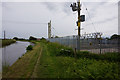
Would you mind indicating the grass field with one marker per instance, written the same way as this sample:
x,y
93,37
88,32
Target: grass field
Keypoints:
x,y
7,42
57,61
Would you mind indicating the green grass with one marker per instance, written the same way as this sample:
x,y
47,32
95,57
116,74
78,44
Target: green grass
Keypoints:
x,y
111,57
30,47
7,42
58,61
64,66
5,68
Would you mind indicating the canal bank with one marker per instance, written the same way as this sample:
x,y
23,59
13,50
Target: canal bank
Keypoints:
x,y
12,52
23,67
52,60
6,42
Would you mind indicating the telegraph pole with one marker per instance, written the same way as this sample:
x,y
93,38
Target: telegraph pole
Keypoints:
x,y
81,18
4,34
49,29
78,41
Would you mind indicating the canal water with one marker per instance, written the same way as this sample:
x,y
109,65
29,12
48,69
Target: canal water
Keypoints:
x,y
12,52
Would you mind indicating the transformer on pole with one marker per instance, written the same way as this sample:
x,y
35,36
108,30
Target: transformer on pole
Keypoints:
x,y
81,18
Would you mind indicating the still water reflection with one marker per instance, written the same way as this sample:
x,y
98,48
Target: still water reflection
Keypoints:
x,y
12,52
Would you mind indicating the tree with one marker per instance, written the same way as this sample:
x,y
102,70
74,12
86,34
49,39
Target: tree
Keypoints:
x,y
42,38
32,38
15,38
115,36
56,37
107,38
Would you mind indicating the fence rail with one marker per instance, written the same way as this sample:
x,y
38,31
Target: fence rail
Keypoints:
x,y
90,44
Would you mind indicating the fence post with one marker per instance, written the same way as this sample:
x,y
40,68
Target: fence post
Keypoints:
x,y
100,45
75,53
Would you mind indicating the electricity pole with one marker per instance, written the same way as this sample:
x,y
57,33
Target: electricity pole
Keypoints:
x,y
81,18
49,29
4,34
78,41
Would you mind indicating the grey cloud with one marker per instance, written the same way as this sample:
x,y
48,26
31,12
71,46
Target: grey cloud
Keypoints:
x,y
21,22
107,20
50,5
66,7
43,12
92,10
6,5
103,21
63,6
119,3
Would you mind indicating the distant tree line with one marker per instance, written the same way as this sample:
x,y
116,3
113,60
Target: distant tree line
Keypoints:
x,y
115,36
16,38
30,38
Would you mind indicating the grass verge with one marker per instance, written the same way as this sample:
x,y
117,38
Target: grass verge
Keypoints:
x,y
7,42
111,57
53,64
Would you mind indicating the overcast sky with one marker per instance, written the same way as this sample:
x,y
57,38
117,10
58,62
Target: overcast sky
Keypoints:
x,y
24,19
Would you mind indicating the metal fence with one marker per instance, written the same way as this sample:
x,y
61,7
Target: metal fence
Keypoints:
x,y
89,44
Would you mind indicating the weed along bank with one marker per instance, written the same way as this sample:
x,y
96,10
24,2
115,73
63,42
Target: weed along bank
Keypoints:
x,y
52,60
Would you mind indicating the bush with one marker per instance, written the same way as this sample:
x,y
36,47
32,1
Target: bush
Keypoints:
x,y
115,36
15,38
84,52
66,52
112,57
42,38
32,38
30,47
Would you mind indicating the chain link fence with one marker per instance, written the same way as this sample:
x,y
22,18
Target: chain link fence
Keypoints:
x,y
89,44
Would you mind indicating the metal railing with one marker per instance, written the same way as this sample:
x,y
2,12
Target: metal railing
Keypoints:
x,y
89,44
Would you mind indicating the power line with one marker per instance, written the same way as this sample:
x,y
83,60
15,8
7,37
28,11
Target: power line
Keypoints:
x,y
90,18
55,31
18,22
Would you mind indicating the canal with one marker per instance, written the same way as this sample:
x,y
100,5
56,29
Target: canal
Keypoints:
x,y
12,52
